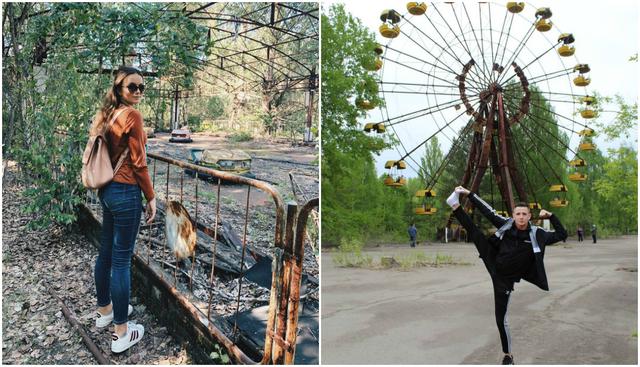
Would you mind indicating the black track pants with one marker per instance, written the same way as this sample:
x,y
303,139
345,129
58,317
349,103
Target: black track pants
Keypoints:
x,y
502,288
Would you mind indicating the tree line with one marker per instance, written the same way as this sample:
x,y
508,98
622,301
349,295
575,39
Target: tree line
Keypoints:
x,y
356,205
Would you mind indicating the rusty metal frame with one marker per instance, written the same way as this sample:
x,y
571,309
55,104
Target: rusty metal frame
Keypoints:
x,y
491,119
229,343
280,337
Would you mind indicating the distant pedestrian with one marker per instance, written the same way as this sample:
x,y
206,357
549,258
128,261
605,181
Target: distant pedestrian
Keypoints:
x,y
413,232
580,234
593,233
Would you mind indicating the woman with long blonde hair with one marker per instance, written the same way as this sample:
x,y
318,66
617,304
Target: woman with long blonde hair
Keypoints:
x,y
121,202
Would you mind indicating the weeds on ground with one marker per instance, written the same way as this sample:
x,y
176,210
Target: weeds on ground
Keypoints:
x,y
240,137
350,255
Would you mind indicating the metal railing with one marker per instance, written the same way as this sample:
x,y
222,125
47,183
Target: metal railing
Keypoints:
x,y
284,298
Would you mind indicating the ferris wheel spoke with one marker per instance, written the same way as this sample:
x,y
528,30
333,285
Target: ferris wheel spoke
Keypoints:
x,y
519,48
549,76
420,115
416,84
559,115
434,134
443,104
553,149
564,94
449,70
494,56
544,159
465,45
417,93
480,48
454,148
533,163
540,124
422,72
506,40
536,59
455,57
490,35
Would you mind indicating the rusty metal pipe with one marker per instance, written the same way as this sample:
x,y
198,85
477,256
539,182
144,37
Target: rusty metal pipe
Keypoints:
x,y
244,247
296,278
197,316
213,251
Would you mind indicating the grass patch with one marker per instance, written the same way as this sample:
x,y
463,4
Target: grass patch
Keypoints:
x,y
420,259
635,334
240,137
349,256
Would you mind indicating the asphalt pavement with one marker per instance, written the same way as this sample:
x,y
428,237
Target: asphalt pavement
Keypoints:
x,y
445,315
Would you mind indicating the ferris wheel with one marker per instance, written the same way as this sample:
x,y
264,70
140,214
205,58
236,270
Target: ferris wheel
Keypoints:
x,y
499,83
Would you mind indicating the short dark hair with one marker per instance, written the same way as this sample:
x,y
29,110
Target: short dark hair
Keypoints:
x,y
522,204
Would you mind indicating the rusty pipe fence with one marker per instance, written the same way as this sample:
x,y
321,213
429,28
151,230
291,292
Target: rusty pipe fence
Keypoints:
x,y
288,244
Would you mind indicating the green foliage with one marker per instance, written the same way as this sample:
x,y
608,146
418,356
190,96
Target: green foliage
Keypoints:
x,y
240,137
220,355
49,101
350,254
352,197
625,123
618,187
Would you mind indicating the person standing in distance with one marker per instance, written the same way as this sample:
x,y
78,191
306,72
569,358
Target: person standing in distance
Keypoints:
x,y
413,232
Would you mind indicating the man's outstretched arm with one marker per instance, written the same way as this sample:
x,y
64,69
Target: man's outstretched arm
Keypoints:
x,y
560,233
484,208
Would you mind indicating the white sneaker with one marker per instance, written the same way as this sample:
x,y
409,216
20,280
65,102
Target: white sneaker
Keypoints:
x,y
121,343
105,320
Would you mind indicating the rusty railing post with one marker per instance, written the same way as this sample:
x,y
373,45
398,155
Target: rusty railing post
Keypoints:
x,y
296,278
280,345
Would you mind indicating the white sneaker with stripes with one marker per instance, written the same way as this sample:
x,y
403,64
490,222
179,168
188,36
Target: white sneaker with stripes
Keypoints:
x,y
105,320
133,335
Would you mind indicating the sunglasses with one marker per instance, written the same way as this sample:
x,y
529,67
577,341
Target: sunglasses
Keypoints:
x,y
133,87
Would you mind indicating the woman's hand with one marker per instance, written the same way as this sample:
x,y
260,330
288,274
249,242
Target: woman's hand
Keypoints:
x,y
150,212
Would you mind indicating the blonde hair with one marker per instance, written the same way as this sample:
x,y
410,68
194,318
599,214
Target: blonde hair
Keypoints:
x,y
111,101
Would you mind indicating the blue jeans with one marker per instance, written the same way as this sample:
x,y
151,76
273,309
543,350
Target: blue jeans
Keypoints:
x,y
121,211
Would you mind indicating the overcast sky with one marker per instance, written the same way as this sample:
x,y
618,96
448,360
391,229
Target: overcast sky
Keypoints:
x,y
606,36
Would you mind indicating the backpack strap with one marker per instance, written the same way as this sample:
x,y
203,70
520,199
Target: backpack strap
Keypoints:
x,y
124,153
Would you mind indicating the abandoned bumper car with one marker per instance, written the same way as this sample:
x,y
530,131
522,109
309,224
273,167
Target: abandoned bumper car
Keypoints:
x,y
227,160
182,135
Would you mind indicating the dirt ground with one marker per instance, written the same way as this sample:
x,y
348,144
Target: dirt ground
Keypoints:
x,y
445,315
34,330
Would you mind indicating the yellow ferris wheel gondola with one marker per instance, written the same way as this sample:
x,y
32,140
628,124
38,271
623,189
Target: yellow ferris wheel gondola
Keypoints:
x,y
365,104
581,80
586,147
578,163
565,50
416,8
558,203
427,206
543,25
515,7
389,27
588,112
577,177
378,127
392,178
586,132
